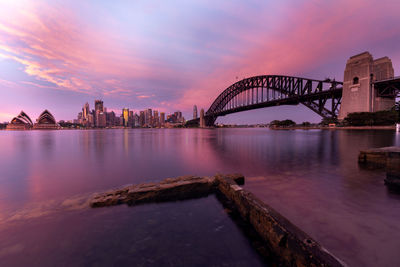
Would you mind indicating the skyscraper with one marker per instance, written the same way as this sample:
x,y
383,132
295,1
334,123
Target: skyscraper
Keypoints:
x,y
194,112
125,116
85,111
156,120
162,118
98,105
148,117
142,119
101,119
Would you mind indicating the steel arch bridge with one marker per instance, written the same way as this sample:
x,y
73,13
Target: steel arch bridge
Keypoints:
x,y
274,90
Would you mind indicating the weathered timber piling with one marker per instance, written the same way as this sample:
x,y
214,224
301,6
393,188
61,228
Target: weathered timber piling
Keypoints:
x,y
290,245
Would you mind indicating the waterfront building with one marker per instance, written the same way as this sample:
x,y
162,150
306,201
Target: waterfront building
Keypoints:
x,y
136,120
21,122
46,121
90,120
80,119
148,117
117,121
142,118
194,112
125,116
202,121
162,118
131,120
101,119
156,120
110,119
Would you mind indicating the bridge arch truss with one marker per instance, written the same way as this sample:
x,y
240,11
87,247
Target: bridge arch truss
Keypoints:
x,y
323,97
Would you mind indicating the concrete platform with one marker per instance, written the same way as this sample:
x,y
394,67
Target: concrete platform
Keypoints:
x,y
384,157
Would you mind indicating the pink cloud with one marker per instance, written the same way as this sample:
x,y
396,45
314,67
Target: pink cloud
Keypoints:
x,y
311,33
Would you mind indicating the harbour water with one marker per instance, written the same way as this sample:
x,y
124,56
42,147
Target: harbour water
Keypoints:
x,y
310,176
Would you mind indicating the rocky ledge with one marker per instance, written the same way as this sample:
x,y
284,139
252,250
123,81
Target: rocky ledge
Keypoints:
x,y
289,245
170,189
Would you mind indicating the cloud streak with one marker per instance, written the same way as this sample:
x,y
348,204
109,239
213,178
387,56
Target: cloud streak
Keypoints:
x,y
151,54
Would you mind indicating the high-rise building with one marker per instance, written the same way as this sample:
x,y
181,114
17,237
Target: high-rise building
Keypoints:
x,y
194,112
136,120
162,118
148,117
101,119
90,120
85,111
110,119
156,119
98,105
125,116
142,119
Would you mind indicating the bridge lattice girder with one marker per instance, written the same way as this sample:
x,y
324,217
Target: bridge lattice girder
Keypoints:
x,y
272,90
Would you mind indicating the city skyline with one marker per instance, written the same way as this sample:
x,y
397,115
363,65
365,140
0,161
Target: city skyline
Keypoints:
x,y
53,54
101,117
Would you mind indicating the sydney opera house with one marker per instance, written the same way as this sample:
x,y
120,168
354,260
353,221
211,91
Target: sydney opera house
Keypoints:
x,y
46,121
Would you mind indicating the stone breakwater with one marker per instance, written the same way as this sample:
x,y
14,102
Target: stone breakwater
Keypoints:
x,y
288,244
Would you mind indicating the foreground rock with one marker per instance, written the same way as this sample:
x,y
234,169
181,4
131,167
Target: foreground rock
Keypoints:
x,y
170,189
289,245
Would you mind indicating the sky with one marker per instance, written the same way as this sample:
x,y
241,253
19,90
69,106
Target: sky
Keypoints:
x,y
171,55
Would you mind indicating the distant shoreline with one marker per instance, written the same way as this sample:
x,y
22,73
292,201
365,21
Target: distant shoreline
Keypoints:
x,y
390,127
386,127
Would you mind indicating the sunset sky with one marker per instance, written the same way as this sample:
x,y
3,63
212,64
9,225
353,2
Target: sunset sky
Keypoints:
x,y
170,55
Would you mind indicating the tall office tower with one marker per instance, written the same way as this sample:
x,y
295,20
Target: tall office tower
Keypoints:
x,y
98,105
90,120
148,117
110,118
162,118
156,120
85,111
101,119
142,119
131,122
136,120
96,115
79,119
125,116
202,121
194,112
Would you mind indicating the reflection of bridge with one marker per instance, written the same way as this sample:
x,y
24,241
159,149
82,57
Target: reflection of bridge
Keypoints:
x,y
274,90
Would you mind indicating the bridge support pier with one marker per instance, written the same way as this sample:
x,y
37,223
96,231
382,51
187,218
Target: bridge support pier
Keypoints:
x,y
359,93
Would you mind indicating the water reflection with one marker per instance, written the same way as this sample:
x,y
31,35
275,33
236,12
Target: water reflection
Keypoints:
x,y
312,177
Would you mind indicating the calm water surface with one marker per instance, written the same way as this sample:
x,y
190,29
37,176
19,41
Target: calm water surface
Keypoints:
x,y
311,177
